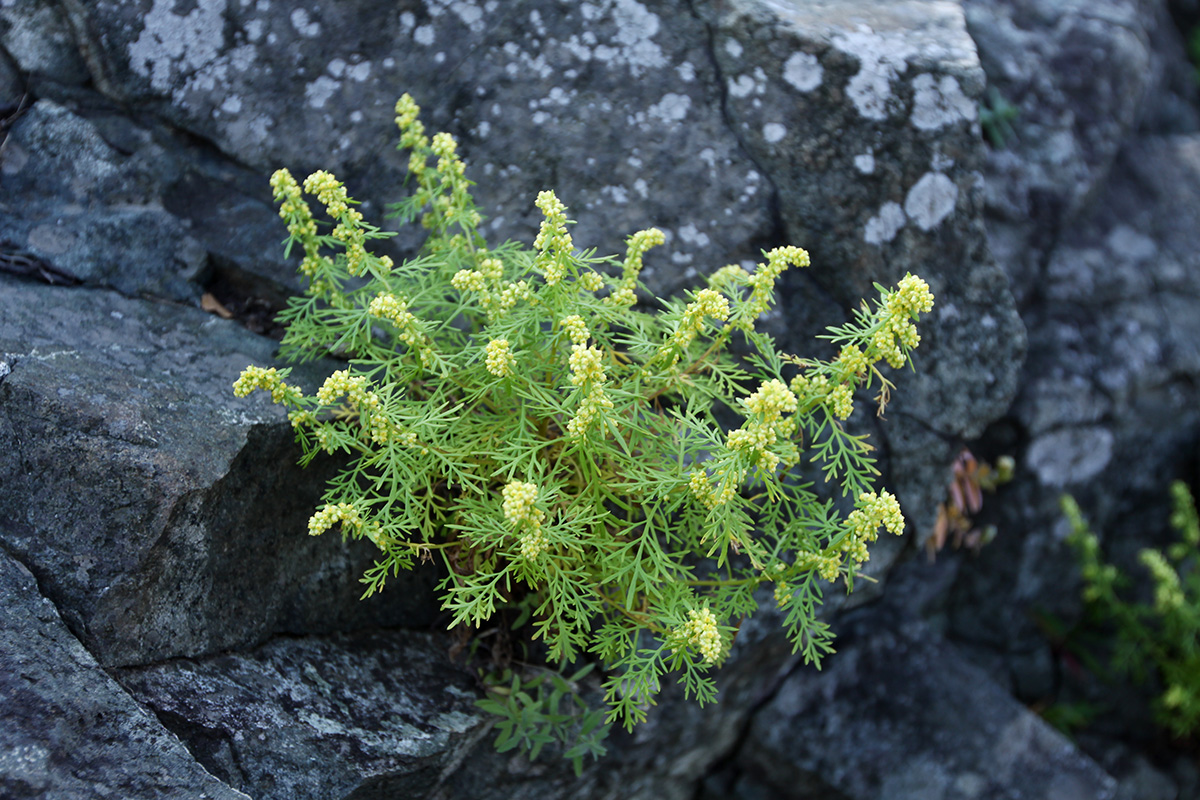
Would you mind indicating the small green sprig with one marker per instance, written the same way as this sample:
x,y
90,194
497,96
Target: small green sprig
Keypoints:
x,y
1158,640
513,412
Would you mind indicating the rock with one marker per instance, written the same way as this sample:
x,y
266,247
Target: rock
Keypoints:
x,y
381,713
898,714
75,203
160,515
1108,402
37,36
69,730
1078,74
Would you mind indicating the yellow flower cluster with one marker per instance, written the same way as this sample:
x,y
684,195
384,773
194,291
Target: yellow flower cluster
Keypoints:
x,y
301,419
625,293
500,359
827,564
771,401
1168,593
361,399
587,372
552,238
852,362
395,310
703,490
897,331
303,228
592,281
839,397
331,515
522,513
728,278
766,423
594,404
863,523
762,282
268,379
293,210
701,632
708,303
585,364
575,328
332,194
496,296
412,132
444,147
354,387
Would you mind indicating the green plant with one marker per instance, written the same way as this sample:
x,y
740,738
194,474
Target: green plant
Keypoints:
x,y
1153,640
515,413
996,117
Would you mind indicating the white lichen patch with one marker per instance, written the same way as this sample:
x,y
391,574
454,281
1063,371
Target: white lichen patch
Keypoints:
x,y
254,30
671,108
746,85
616,194
803,71
305,25
171,45
1071,456
884,226
938,103
931,200
424,35
359,72
882,59
773,132
865,163
318,92
692,235
734,48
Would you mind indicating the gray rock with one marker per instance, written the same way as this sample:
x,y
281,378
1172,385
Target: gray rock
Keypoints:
x,y
69,730
382,714
1078,72
163,516
885,719
75,203
1108,403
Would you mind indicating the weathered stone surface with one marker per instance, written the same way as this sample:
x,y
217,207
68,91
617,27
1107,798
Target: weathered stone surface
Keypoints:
x,y
1092,210
69,730
367,715
73,201
897,714
162,518
1078,72
1108,408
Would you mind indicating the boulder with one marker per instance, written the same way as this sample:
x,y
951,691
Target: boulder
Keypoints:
x,y
69,729
900,715
160,517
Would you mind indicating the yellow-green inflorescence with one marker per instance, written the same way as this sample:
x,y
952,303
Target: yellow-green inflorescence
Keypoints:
x,y
565,448
701,632
525,517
